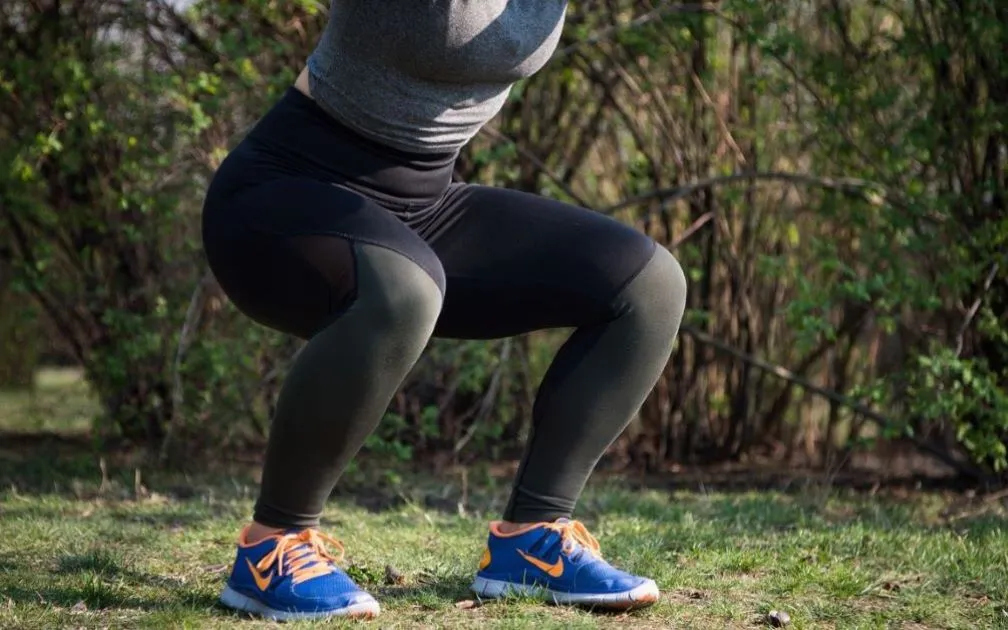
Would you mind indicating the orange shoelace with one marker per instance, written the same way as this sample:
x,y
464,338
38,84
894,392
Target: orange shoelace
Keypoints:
x,y
572,532
302,555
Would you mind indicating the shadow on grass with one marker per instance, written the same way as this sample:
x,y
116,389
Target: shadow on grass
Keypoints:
x,y
760,501
455,592
454,589
105,581
760,513
97,595
172,515
103,563
47,464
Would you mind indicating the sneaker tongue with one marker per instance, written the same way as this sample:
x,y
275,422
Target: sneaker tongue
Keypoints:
x,y
305,555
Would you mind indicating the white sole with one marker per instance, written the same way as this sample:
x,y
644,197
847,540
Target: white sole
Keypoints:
x,y
233,599
643,595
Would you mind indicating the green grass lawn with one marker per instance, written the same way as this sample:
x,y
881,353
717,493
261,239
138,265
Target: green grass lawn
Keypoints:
x,y
80,552
74,557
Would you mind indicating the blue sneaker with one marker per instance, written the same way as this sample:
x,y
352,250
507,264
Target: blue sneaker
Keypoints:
x,y
293,576
561,563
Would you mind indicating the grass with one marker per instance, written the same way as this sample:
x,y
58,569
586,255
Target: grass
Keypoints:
x,y
79,550
60,401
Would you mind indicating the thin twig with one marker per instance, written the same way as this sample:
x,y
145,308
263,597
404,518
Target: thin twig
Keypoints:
x,y
665,10
838,398
192,318
722,125
282,365
974,309
528,155
488,399
861,187
703,220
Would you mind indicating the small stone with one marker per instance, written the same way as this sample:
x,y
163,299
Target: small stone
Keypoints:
x,y
79,607
778,618
466,604
393,576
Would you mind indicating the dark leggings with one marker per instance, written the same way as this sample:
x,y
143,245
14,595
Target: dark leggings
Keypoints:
x,y
367,252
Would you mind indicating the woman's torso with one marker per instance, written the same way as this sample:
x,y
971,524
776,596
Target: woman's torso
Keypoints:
x,y
425,75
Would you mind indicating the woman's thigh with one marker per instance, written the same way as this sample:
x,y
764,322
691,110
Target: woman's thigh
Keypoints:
x,y
516,262
283,250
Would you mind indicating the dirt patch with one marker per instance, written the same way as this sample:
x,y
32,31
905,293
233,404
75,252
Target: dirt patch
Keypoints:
x,y
687,595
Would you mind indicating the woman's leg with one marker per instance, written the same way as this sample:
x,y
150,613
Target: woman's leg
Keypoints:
x,y
322,263
515,262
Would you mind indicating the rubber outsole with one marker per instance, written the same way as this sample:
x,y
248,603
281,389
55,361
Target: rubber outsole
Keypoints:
x,y
366,608
637,597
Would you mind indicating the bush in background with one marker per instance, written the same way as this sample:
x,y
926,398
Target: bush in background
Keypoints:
x,y
832,176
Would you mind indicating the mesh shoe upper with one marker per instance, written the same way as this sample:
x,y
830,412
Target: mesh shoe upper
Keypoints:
x,y
560,556
295,571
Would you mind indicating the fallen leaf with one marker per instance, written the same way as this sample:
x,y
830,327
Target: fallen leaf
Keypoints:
x,y
425,577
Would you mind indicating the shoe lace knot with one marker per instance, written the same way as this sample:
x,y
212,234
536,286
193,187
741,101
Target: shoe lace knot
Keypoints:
x,y
575,535
303,555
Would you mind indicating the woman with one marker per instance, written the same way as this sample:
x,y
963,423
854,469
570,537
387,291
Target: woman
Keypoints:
x,y
336,220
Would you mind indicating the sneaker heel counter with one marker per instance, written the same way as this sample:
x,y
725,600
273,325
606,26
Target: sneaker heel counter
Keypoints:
x,y
239,574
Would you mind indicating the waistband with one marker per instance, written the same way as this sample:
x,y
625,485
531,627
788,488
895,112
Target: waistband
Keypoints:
x,y
298,132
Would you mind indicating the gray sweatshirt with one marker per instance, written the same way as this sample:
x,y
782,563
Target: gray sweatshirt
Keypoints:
x,y
425,75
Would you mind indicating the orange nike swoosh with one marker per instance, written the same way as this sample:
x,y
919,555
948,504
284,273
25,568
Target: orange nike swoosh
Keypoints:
x,y
261,581
553,570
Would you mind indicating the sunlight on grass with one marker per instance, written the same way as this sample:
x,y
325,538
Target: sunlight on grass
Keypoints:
x,y
80,550
59,402
722,560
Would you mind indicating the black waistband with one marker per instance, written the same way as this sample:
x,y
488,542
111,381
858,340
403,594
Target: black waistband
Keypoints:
x,y
296,130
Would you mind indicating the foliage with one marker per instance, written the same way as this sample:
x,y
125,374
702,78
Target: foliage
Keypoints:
x,y
109,143
19,328
87,207
832,174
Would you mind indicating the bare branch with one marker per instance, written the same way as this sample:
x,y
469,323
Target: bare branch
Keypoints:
x,y
486,402
974,309
665,10
865,189
528,155
703,220
839,399
192,318
722,125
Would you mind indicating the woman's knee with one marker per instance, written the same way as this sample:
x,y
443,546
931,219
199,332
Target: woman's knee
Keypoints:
x,y
672,277
400,296
657,295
